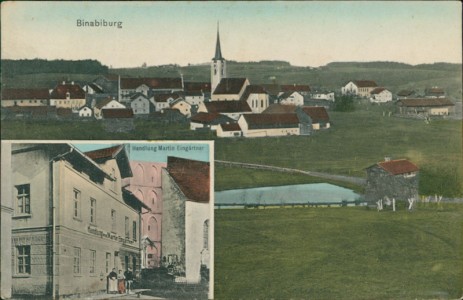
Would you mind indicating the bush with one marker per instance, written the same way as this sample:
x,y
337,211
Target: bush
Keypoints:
x,y
344,103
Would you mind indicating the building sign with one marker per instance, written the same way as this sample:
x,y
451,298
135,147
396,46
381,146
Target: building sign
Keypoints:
x,y
108,235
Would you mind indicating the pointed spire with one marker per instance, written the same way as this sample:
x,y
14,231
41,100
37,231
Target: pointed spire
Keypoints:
x,y
218,51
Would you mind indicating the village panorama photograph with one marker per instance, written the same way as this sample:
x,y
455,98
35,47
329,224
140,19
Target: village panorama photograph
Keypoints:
x,y
337,133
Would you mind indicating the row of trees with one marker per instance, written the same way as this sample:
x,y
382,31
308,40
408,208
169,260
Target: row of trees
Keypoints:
x,y
33,66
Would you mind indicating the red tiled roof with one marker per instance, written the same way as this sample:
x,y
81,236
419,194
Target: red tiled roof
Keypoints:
x,y
204,117
102,102
252,89
197,86
428,102
104,153
271,120
231,127
154,83
165,97
229,86
295,88
434,91
279,109
117,113
192,177
60,91
227,106
377,90
365,83
316,113
398,166
25,94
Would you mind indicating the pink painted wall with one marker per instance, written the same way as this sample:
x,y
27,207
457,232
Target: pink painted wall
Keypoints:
x,y
146,185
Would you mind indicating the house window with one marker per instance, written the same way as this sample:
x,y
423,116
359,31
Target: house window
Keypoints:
x,y
134,230
92,261
206,234
23,260
113,220
92,211
108,261
127,231
115,179
76,198
76,260
23,199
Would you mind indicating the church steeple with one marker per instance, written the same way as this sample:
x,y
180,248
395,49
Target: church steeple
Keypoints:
x,y
218,51
218,65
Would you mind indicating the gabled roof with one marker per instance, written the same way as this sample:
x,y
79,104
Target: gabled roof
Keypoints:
x,y
287,94
230,127
197,86
164,97
434,91
253,89
229,86
272,88
316,113
74,90
227,106
115,152
136,95
405,93
153,83
279,109
425,102
192,177
210,118
378,90
398,166
259,121
102,102
364,83
117,113
295,88
25,94
95,87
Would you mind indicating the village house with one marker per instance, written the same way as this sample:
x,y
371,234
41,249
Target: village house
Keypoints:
x,y
71,218
85,112
434,92
360,88
262,125
405,94
68,95
380,95
291,98
194,97
186,229
302,89
256,97
104,104
146,185
322,95
92,88
140,104
398,179
163,101
426,106
182,106
118,119
231,109
25,97
204,120
229,130
311,118
130,86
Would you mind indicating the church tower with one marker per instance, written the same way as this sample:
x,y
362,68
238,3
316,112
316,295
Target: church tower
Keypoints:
x,y
218,65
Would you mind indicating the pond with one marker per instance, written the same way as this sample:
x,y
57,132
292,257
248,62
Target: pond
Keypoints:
x,y
315,193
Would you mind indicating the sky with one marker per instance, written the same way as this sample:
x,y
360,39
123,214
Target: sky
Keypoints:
x,y
155,151
311,33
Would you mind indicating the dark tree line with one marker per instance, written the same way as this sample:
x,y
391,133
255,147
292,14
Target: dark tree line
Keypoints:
x,y
33,66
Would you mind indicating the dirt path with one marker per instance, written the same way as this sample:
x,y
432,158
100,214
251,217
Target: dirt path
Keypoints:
x,y
349,179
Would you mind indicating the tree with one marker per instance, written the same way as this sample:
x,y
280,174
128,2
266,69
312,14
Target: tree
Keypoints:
x,y
344,103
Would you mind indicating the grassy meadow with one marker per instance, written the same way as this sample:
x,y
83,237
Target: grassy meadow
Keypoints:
x,y
355,141
339,253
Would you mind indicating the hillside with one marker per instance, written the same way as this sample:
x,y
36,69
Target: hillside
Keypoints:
x,y
393,75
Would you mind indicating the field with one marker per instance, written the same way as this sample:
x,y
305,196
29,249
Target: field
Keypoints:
x,y
339,253
355,141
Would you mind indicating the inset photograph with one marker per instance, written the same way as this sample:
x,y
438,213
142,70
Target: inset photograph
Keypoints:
x,y
100,220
